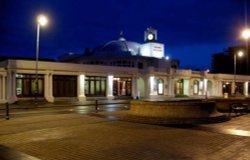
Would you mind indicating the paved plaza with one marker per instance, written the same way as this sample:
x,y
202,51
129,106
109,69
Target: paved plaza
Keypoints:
x,y
74,136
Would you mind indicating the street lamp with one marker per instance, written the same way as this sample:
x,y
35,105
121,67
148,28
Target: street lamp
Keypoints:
x,y
240,54
41,21
246,35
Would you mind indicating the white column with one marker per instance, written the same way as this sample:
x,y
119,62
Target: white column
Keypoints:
x,y
48,87
165,86
81,87
135,87
51,87
151,85
110,87
4,86
191,87
246,88
219,91
118,88
147,86
46,81
205,87
1,88
171,86
11,87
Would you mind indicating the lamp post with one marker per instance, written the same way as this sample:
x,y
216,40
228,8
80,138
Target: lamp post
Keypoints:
x,y
41,21
240,54
246,35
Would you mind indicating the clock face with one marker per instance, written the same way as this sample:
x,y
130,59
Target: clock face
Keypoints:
x,y
150,36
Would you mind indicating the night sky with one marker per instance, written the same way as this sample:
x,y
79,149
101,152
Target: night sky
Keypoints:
x,y
192,30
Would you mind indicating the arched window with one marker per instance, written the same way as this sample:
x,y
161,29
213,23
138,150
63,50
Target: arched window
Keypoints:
x,y
196,87
160,86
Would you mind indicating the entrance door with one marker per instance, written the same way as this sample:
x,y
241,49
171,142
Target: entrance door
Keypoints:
x,y
179,87
122,86
64,86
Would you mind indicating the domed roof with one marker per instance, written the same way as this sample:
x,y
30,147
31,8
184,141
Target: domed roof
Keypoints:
x,y
117,48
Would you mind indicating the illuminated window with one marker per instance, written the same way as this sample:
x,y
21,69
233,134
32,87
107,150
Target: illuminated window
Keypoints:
x,y
179,87
160,87
26,85
95,86
196,87
122,86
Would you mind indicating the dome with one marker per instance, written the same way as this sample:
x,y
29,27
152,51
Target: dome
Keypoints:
x,y
118,48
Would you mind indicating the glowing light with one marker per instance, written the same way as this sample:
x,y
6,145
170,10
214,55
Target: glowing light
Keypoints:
x,y
160,87
240,53
238,132
110,85
81,85
205,86
167,57
42,20
246,88
150,36
245,34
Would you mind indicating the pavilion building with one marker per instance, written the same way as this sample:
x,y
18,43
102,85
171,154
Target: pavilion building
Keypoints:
x,y
119,68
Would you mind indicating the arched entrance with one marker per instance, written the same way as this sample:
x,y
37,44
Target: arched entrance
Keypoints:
x,y
179,87
141,87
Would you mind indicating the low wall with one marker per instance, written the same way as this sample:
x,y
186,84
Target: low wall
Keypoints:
x,y
223,105
174,112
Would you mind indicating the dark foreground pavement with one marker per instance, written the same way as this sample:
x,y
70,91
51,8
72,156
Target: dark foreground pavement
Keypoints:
x,y
76,137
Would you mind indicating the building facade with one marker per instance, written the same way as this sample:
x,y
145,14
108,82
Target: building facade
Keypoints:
x,y
57,79
116,69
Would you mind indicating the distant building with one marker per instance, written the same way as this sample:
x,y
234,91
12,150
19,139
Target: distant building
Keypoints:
x,y
224,62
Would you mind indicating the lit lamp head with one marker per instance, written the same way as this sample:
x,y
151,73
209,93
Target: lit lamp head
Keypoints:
x,y
42,20
240,53
245,34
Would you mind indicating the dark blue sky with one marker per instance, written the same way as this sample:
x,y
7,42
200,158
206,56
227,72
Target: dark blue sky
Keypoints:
x,y
192,30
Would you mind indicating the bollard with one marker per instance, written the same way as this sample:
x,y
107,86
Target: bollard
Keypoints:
x,y
96,105
7,111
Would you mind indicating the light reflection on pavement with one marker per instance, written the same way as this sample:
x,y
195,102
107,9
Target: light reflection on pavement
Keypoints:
x,y
64,110
238,132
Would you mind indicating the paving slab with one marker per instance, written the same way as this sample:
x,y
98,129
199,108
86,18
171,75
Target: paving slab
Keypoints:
x,y
77,137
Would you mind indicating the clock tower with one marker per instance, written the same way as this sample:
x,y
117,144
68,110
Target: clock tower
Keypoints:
x,y
151,48
150,35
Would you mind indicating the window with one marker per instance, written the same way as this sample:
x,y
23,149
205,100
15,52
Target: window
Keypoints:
x,y
122,86
26,85
95,86
196,87
179,87
160,86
